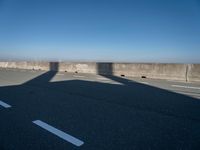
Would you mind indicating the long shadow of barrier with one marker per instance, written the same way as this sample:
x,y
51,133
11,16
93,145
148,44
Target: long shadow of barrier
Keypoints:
x,y
159,99
47,76
106,116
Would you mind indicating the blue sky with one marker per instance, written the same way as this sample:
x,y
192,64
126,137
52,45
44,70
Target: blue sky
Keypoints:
x,y
101,30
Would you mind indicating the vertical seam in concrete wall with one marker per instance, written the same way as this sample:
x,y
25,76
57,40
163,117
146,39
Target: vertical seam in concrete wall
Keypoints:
x,y
186,73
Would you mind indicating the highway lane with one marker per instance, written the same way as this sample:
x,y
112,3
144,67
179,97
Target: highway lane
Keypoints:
x,y
104,112
186,88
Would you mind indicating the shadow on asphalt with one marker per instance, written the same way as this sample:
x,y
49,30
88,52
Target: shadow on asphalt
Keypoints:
x,y
105,116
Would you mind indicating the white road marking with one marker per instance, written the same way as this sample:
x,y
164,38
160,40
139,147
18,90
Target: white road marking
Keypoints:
x,y
144,82
4,104
188,87
180,81
78,76
59,133
103,78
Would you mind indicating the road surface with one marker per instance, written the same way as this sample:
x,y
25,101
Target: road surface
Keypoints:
x,y
60,110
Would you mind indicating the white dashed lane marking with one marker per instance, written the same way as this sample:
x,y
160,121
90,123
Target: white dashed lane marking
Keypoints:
x,y
59,133
187,87
4,104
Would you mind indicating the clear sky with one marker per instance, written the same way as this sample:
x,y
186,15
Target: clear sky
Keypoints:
x,y
101,30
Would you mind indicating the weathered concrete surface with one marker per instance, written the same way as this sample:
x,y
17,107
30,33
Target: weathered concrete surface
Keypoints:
x,y
184,72
55,66
193,73
26,65
159,71
78,67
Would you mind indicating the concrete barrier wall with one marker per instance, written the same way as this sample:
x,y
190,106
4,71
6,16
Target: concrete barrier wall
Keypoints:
x,y
184,72
193,72
78,67
159,71
26,65
55,66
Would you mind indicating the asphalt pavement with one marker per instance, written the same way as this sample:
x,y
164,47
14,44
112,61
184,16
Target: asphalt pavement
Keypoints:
x,y
60,110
